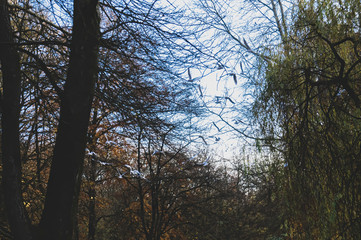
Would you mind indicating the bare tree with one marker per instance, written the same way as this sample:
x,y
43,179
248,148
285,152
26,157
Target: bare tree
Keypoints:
x,y
76,100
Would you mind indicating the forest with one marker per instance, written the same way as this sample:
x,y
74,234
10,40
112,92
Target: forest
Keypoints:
x,y
169,119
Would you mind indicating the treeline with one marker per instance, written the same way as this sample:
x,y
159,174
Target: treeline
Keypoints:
x,y
103,133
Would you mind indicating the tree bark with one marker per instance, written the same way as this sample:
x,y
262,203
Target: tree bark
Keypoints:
x,y
60,208
10,104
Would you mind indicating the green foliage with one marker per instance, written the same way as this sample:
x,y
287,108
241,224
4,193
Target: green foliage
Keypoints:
x,y
312,85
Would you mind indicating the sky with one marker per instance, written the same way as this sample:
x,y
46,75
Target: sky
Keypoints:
x,y
220,92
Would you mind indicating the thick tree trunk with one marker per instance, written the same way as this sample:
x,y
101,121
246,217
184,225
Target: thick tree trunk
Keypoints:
x,y
60,208
10,104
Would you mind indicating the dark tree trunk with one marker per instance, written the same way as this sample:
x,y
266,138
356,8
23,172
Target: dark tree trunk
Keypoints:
x,y
92,197
10,104
60,208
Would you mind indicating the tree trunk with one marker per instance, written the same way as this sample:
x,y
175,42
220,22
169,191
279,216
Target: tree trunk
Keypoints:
x,y
10,104
92,224
92,197
60,208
